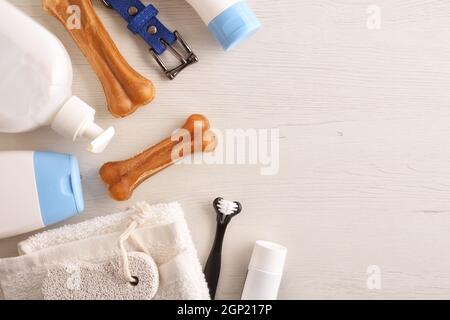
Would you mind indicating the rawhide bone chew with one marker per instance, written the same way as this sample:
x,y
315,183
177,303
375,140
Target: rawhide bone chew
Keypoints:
x,y
125,89
123,177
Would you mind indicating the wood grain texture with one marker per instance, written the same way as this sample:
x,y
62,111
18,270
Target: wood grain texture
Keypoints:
x,y
365,127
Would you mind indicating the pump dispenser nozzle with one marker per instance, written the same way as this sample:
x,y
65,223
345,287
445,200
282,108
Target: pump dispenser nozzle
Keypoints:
x,y
76,119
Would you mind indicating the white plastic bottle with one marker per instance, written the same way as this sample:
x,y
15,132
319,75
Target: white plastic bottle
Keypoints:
x,y
36,83
37,189
230,21
265,271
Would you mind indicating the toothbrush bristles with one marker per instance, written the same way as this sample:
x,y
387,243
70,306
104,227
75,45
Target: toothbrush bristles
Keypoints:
x,y
227,207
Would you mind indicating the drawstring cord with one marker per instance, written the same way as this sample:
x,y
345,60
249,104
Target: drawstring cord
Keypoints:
x,y
138,219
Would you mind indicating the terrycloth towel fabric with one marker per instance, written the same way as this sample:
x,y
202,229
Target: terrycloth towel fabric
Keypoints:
x,y
163,232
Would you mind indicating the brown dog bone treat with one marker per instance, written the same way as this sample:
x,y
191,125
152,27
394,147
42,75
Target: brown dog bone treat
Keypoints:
x,y
123,177
125,89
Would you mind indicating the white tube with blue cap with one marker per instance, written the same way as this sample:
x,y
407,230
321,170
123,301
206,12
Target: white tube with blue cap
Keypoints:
x,y
230,21
37,189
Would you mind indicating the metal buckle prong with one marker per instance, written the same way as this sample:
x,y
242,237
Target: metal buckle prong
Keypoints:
x,y
106,4
184,61
190,58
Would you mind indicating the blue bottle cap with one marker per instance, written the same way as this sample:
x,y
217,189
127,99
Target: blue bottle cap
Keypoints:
x,y
234,25
58,185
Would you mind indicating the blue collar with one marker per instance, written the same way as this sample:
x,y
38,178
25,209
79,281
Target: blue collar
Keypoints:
x,y
143,21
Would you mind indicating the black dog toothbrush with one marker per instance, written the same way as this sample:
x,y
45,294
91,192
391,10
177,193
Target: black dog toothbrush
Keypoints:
x,y
226,210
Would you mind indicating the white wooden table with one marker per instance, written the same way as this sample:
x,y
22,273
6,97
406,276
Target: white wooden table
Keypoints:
x,y
364,116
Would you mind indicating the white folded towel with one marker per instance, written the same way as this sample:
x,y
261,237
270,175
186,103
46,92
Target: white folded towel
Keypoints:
x,y
162,231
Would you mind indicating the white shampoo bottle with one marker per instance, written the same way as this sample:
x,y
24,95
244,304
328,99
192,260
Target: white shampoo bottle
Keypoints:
x,y
36,83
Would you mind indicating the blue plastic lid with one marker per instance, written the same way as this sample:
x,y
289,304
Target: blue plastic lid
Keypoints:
x,y
58,184
234,25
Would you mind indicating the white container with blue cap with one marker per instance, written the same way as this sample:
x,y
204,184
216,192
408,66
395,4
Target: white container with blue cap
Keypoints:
x,y
230,21
37,189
